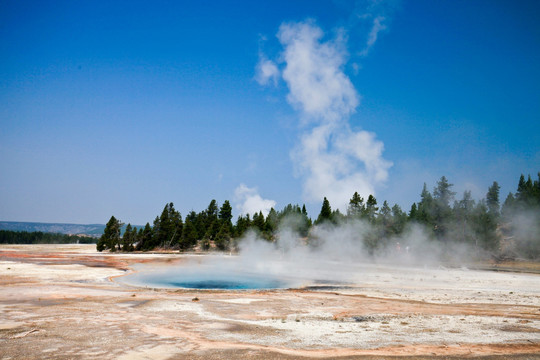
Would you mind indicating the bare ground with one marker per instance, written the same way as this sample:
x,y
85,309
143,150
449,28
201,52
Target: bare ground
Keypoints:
x,y
66,302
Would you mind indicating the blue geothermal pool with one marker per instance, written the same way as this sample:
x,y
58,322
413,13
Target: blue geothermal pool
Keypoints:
x,y
239,282
201,277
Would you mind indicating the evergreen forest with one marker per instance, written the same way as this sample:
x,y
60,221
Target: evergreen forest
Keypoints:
x,y
39,237
507,229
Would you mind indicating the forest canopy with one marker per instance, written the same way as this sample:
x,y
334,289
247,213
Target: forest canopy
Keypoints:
x,y
510,229
39,237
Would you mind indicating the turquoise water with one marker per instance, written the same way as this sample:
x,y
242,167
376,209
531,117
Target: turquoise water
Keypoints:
x,y
203,278
225,284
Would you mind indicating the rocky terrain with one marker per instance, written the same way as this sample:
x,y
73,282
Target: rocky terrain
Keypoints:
x,y
70,302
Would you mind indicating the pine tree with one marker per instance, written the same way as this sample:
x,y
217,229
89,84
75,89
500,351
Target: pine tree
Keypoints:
x,y
223,237
356,207
463,214
337,217
371,208
225,212
492,199
258,221
509,207
272,222
211,223
176,227
189,235
527,195
111,236
426,207
485,226
242,224
305,223
521,193
163,231
144,238
129,238
522,214
442,195
385,210
413,213
399,219
326,212
154,241
225,216
536,190
384,220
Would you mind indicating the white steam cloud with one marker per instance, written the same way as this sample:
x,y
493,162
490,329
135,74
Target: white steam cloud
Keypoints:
x,y
332,159
267,71
378,26
250,202
337,162
338,254
318,87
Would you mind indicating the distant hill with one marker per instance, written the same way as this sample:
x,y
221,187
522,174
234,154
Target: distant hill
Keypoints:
x,y
94,230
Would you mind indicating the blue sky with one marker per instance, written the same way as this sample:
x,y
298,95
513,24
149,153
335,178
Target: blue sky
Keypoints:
x,y
118,108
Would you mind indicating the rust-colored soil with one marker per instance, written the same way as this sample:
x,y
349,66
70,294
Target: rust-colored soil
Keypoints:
x,y
63,302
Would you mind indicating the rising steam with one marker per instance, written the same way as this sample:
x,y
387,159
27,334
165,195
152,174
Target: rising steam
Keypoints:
x,y
250,202
332,250
332,159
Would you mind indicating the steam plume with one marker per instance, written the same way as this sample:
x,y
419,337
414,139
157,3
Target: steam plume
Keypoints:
x,y
250,202
378,26
332,159
267,71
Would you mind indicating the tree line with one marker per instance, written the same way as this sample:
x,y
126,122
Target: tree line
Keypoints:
x,y
210,228
484,224
38,237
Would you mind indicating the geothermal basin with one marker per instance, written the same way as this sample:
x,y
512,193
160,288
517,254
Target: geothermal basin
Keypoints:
x,y
71,302
195,275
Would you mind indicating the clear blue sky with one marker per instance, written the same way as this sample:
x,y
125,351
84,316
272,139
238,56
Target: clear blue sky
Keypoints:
x,y
116,108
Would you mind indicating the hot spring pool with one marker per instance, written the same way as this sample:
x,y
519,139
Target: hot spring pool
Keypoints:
x,y
203,277
238,282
